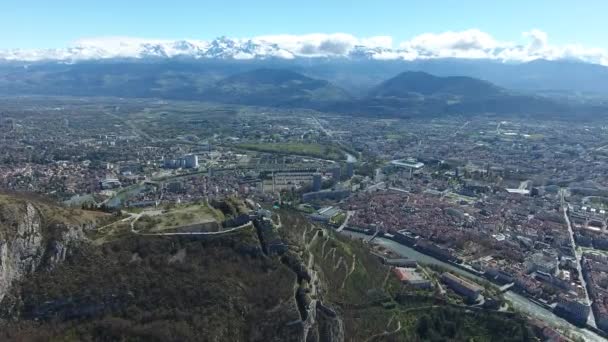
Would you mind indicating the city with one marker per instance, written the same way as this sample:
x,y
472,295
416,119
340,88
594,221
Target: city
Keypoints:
x,y
279,171
519,203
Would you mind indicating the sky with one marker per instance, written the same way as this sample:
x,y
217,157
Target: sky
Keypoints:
x,y
34,24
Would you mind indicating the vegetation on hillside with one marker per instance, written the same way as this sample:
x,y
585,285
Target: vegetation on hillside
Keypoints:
x,y
374,306
225,288
159,289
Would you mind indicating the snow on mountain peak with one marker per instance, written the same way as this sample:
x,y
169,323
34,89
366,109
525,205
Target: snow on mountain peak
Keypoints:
x,y
473,44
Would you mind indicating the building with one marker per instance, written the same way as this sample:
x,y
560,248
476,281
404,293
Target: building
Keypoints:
x,y
109,183
336,173
573,310
461,286
175,187
325,214
316,182
142,204
498,275
191,161
439,252
542,262
411,277
334,195
410,263
287,180
409,163
350,170
170,163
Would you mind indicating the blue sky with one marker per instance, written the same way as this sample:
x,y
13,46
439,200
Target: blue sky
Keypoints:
x,y
57,23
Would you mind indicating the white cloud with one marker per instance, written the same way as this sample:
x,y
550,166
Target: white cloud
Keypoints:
x,y
478,44
321,44
538,39
472,43
385,42
451,42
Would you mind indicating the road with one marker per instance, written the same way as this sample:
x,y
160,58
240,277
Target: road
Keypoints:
x,y
136,130
137,216
578,255
374,187
349,157
328,133
222,232
460,128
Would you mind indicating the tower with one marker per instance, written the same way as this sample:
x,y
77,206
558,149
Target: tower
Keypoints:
x,y
335,173
191,161
316,182
350,169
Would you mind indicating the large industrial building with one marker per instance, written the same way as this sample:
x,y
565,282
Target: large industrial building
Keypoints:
x,y
408,164
334,195
189,161
461,286
411,277
542,262
287,180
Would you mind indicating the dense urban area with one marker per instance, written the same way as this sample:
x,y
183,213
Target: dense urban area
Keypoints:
x,y
506,208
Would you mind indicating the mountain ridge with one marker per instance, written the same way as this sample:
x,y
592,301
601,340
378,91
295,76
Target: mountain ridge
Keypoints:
x,y
356,75
276,88
427,84
284,85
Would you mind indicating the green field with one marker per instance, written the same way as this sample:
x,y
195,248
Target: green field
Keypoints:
x,y
312,150
180,215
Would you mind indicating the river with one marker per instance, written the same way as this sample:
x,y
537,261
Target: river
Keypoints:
x,y
519,302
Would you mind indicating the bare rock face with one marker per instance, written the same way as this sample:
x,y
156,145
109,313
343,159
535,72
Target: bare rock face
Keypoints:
x,y
27,243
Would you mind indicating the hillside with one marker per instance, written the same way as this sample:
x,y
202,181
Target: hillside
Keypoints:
x,y
415,82
37,235
418,94
371,304
160,289
274,87
231,288
295,84
356,75
112,78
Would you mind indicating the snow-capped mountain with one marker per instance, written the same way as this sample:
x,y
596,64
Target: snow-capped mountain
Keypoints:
x,y
219,48
223,48
470,44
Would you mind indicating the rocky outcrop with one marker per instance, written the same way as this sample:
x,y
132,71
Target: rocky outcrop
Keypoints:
x,y
28,242
330,326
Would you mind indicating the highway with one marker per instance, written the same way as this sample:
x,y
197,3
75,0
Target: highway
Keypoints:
x,y
349,157
321,128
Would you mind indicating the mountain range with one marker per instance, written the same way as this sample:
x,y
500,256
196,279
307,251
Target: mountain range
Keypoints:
x,y
356,66
290,85
219,48
358,82
275,88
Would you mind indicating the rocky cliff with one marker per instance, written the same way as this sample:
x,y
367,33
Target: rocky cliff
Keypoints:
x,y
35,235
